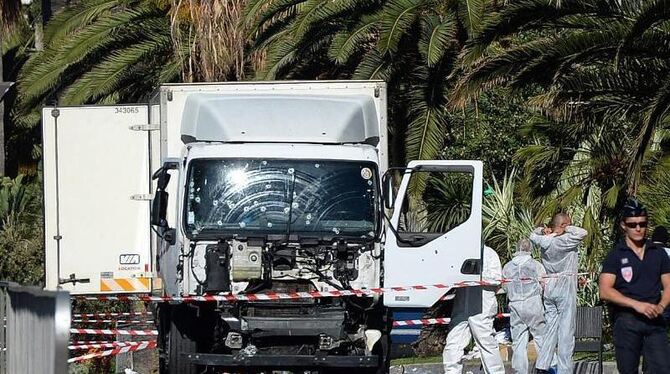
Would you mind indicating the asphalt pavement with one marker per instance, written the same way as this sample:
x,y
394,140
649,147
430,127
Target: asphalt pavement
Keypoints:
x,y
474,367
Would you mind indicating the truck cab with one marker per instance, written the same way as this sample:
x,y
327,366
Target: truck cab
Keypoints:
x,y
277,194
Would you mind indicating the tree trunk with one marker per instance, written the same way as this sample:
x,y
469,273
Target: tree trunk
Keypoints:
x,y
2,112
432,338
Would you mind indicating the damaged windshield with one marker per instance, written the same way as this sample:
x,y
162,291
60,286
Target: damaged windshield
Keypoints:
x,y
254,196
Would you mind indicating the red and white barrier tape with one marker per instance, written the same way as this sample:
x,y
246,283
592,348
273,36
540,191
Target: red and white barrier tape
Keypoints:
x,y
110,315
422,322
110,321
433,321
229,297
84,347
114,332
115,351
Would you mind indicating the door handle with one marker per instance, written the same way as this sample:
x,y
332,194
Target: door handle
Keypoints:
x,y
471,266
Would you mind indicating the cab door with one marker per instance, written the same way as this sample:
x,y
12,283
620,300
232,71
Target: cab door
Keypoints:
x,y
435,231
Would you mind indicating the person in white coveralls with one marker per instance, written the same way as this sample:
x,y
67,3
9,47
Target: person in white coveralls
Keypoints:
x,y
480,326
524,277
559,245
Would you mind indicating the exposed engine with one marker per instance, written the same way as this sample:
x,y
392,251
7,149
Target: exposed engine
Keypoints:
x,y
296,325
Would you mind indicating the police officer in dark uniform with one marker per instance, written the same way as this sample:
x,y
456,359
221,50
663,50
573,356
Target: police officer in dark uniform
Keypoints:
x,y
633,275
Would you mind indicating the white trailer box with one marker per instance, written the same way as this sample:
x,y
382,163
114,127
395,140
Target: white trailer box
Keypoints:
x,y
96,173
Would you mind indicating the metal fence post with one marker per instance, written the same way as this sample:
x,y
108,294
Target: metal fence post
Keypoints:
x,y
3,329
38,330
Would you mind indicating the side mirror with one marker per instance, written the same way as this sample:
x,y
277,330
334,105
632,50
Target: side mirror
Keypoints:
x,y
159,209
160,202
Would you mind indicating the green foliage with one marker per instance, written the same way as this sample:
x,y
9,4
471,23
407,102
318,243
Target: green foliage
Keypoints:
x,y
655,193
596,63
448,201
98,51
506,219
21,232
490,131
411,44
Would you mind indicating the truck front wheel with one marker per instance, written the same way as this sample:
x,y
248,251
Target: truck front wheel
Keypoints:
x,y
174,340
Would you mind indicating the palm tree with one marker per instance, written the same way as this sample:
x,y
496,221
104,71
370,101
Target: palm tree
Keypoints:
x,y
217,52
99,51
10,16
110,51
411,44
601,65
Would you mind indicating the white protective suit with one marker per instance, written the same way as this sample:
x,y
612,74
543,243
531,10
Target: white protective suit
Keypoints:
x,y
524,292
560,260
479,326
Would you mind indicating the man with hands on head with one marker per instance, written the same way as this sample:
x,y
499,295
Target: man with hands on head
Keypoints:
x,y
633,275
559,246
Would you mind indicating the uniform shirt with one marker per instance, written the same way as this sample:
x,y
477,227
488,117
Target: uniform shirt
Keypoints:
x,y
638,279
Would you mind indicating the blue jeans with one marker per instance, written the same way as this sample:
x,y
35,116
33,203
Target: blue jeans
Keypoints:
x,y
635,335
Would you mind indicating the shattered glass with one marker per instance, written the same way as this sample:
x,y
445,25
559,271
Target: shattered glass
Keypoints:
x,y
233,196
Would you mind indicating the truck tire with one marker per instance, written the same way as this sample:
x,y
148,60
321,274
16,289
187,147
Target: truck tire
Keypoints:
x,y
174,321
384,351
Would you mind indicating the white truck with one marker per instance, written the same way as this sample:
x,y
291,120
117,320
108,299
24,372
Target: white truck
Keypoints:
x,y
250,188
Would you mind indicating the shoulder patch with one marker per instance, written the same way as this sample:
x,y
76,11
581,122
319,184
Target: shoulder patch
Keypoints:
x,y
624,261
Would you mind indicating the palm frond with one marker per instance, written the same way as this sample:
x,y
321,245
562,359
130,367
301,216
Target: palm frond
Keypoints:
x,y
373,66
71,19
437,37
656,113
108,75
653,12
347,42
471,12
397,18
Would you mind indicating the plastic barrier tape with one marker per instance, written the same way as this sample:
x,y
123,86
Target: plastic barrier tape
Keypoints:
x,y
113,332
109,315
229,297
115,351
84,347
434,321
110,321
